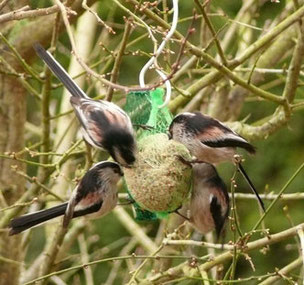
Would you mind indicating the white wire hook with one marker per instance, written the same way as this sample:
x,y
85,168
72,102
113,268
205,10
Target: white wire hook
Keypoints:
x,y
168,88
157,53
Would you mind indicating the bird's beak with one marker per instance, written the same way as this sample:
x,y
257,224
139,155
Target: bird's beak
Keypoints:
x,y
169,135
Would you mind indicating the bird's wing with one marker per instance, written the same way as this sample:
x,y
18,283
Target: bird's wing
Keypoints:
x,y
216,212
77,211
217,136
213,133
96,117
89,210
69,212
86,198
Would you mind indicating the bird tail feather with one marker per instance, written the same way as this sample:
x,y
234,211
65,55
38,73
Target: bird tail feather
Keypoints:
x,y
60,73
246,177
27,221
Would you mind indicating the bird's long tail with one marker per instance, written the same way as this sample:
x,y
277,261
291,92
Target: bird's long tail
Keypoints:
x,y
58,70
27,221
246,177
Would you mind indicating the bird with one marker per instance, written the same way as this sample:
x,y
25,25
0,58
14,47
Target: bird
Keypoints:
x,y
210,141
209,202
96,193
104,124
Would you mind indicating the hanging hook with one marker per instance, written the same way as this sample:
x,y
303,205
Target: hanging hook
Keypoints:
x,y
153,59
168,88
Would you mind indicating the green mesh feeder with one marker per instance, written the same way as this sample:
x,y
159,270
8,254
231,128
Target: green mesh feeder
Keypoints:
x,y
158,182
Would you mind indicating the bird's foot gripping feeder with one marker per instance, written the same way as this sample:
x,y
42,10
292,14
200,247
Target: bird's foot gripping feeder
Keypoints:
x,y
158,182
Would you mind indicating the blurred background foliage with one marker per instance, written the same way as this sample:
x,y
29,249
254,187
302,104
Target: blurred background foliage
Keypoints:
x,y
278,155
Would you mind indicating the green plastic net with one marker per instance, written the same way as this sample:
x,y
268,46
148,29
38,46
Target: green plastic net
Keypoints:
x,y
143,109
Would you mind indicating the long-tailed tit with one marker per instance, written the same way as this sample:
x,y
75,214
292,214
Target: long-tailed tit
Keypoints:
x,y
95,193
104,124
209,204
210,141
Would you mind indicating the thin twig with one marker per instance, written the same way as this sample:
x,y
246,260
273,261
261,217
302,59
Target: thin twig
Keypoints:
x,y
181,269
36,181
246,69
235,227
52,250
175,271
214,76
18,205
247,196
213,32
127,257
135,230
25,66
99,20
280,193
21,79
74,50
134,275
3,4
116,266
168,241
85,259
23,14
235,222
301,237
285,270
295,66
118,59
30,193
13,262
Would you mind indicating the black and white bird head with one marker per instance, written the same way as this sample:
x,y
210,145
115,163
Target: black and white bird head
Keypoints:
x,y
178,125
207,138
121,146
104,174
107,170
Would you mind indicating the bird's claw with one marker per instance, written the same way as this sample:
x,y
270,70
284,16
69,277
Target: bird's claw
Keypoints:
x,y
181,215
144,127
129,202
189,162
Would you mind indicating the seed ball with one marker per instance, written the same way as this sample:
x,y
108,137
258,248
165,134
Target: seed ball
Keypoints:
x,y
159,181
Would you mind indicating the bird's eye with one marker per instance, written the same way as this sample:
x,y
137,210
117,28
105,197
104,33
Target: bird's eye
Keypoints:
x,y
118,171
